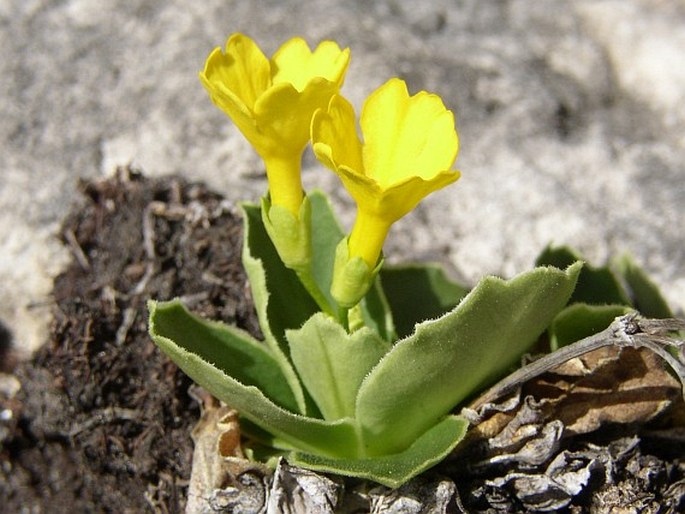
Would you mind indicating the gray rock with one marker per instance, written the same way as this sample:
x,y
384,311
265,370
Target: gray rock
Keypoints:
x,y
295,490
570,116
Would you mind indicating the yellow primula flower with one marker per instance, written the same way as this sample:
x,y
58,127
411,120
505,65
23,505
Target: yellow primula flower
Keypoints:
x,y
409,146
272,101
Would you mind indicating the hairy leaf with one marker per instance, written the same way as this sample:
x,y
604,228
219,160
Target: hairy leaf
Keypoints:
x,y
280,299
333,363
185,341
394,470
417,293
596,285
429,373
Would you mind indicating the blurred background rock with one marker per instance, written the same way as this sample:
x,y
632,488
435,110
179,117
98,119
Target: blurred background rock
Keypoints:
x,y
570,115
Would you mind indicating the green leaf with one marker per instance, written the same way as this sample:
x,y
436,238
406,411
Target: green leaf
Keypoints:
x,y
326,234
595,286
419,292
447,360
280,299
332,363
394,470
376,312
189,343
581,320
230,349
646,296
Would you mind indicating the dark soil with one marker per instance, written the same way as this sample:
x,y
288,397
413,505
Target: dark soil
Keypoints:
x,y
102,422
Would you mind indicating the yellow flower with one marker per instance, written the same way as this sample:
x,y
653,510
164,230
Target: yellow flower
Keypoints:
x,y
272,101
410,145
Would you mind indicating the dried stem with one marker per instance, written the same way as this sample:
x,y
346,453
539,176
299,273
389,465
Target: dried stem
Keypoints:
x,y
628,331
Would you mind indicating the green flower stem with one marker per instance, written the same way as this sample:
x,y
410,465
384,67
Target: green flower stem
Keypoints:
x,y
343,318
355,318
351,319
292,237
306,276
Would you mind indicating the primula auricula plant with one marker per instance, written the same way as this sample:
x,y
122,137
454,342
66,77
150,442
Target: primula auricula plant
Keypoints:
x,y
362,366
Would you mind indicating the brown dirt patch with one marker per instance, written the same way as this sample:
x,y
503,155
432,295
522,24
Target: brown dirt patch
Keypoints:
x,y
102,422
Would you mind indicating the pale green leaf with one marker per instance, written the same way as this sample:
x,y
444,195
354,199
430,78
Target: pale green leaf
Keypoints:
x,y
280,299
326,234
418,292
230,349
332,363
429,373
396,469
334,439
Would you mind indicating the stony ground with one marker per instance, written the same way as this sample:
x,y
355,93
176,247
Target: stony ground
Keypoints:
x,y
569,114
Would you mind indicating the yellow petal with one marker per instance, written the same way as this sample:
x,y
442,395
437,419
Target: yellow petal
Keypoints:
x,y
366,192
337,145
378,209
410,144
243,69
235,79
403,197
296,64
334,136
406,136
284,115
396,201
232,106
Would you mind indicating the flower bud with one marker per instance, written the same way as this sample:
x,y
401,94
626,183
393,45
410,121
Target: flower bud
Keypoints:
x,y
291,235
352,276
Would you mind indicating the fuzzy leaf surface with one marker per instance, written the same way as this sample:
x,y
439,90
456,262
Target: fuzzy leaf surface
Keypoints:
x,y
233,351
280,299
332,363
419,292
396,469
187,343
446,360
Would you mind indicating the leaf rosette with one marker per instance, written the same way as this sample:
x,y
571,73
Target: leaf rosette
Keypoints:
x,y
357,403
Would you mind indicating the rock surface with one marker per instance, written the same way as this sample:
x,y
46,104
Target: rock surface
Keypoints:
x,y
570,116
